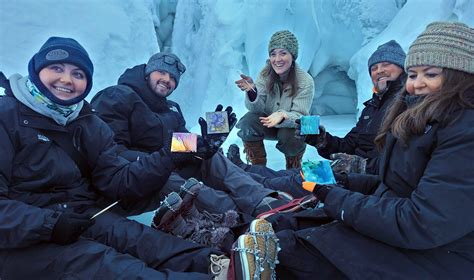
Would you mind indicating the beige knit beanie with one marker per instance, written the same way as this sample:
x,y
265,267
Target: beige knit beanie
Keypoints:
x,y
443,44
284,40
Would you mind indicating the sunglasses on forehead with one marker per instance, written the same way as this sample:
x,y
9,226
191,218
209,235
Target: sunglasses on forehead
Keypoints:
x,y
171,60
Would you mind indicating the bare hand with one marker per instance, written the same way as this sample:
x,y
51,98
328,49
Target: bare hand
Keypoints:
x,y
274,119
245,83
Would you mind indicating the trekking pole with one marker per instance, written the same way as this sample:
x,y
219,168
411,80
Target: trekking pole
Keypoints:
x,y
105,209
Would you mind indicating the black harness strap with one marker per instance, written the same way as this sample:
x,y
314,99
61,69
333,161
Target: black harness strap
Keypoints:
x,y
65,141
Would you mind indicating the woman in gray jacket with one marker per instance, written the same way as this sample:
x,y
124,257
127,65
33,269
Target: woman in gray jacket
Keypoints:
x,y
282,93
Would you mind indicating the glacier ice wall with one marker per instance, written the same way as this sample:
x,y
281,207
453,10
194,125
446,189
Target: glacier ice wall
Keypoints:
x,y
408,23
336,38
218,39
207,32
116,34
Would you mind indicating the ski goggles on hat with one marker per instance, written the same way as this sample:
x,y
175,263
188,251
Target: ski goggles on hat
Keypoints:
x,y
171,60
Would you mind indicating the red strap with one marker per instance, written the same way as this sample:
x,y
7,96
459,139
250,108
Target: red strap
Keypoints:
x,y
291,206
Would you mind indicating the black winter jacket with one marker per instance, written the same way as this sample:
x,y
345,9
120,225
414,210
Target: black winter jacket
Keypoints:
x,y
38,178
140,119
418,220
360,140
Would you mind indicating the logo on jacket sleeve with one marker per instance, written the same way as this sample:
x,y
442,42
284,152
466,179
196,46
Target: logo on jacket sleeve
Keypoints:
x,y
43,138
173,108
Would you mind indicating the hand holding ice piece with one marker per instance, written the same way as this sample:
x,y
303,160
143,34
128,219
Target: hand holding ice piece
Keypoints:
x,y
245,83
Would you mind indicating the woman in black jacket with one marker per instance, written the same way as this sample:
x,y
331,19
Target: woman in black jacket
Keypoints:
x,y
413,221
58,166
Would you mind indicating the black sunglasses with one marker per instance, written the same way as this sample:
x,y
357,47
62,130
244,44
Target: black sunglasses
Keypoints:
x,y
171,60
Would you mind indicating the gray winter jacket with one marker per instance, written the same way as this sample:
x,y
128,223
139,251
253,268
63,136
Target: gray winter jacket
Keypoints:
x,y
280,101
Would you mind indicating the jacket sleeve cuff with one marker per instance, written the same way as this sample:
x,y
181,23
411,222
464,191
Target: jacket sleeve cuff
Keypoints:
x,y
252,95
322,191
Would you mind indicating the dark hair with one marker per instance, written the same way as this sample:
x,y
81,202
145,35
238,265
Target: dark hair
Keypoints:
x,y
457,91
273,78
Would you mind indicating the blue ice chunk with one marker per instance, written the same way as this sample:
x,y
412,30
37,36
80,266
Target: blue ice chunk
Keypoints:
x,y
319,172
309,125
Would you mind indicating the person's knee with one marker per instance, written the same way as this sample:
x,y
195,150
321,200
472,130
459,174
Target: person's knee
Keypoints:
x,y
250,127
287,135
249,118
288,143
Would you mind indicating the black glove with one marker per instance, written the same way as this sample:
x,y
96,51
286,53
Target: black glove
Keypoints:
x,y
342,178
316,140
298,131
205,150
344,163
209,144
322,191
69,227
179,159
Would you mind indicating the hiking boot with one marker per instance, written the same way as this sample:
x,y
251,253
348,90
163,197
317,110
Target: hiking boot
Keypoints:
x,y
256,253
168,218
233,154
245,258
255,152
294,161
267,244
188,192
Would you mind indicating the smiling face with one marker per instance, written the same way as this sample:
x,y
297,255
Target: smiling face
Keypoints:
x,y
424,80
281,61
382,72
65,81
161,83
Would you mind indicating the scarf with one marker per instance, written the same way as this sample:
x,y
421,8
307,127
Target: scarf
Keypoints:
x,y
28,94
411,100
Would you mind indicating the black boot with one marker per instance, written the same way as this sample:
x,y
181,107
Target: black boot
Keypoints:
x,y
188,192
168,217
233,154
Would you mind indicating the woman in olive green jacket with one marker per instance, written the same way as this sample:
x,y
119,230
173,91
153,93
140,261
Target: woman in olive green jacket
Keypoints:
x,y
282,93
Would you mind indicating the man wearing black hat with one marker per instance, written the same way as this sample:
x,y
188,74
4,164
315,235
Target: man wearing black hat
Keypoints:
x,y
357,148
143,119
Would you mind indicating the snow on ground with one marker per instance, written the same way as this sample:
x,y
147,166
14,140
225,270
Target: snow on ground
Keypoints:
x,y
337,125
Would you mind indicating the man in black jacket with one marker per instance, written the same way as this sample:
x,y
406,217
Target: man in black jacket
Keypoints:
x,y
387,74
143,119
356,151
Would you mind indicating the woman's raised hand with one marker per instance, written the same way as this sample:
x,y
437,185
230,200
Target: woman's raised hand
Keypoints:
x,y
245,83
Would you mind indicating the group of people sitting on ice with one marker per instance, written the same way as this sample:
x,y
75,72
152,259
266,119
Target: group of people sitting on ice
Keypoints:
x,y
71,172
